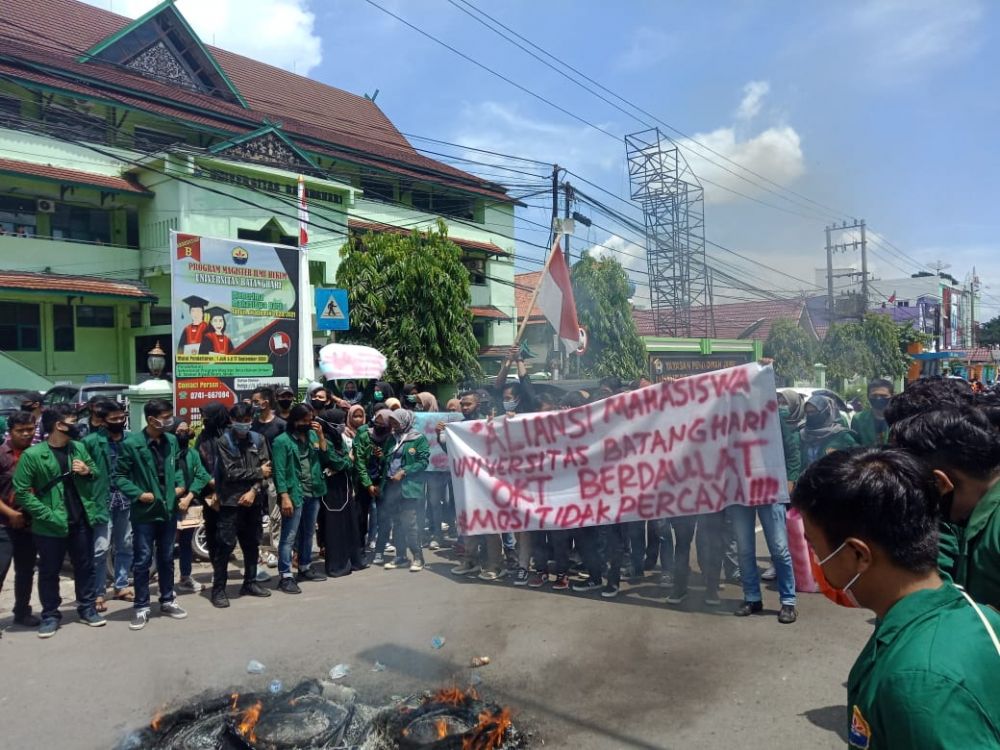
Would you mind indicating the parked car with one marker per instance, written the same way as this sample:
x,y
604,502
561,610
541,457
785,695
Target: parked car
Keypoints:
x,y
10,400
78,394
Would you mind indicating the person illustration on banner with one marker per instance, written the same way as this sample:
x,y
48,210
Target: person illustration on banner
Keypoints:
x,y
216,341
194,332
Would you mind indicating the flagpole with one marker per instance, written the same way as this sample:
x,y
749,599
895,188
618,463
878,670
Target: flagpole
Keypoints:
x,y
534,296
307,365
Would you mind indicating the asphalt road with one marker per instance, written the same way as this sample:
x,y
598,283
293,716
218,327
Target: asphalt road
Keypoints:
x,y
579,671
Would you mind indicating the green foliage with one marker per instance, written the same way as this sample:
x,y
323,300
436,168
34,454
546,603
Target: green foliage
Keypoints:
x,y
989,333
409,298
844,352
875,347
614,347
884,340
792,349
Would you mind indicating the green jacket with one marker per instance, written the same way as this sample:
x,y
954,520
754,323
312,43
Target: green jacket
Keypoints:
x,y
416,455
36,470
97,444
136,474
839,441
977,565
285,457
864,425
193,473
791,442
927,677
362,449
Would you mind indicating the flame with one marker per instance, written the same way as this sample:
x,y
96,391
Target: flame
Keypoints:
x,y
248,722
157,721
236,699
489,733
441,726
454,696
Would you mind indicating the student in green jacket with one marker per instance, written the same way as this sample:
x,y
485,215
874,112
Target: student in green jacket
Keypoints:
x,y
299,482
195,480
870,424
147,475
823,431
928,676
406,458
962,447
54,484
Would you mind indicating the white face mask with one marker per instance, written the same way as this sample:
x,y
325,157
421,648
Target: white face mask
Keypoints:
x,y
846,591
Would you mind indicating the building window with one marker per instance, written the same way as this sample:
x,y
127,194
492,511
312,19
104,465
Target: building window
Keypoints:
x,y
377,188
81,224
10,111
20,327
477,270
91,316
454,205
63,332
479,331
421,200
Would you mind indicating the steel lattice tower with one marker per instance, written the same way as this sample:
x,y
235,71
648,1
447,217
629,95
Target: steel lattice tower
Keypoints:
x,y
673,205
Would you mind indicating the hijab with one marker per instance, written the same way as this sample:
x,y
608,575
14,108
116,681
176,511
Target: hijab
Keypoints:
x,y
825,423
393,404
427,399
350,431
454,405
405,420
381,434
796,407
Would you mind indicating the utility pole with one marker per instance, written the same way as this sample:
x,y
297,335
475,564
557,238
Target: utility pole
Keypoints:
x,y
858,244
568,197
864,266
973,287
555,201
829,274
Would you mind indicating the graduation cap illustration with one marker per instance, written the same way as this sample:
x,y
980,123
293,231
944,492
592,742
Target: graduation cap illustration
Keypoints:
x,y
195,301
216,310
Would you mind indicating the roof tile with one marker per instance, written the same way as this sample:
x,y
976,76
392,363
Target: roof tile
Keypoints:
x,y
85,285
58,174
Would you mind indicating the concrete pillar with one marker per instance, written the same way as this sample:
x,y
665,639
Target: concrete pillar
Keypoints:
x,y
142,394
819,374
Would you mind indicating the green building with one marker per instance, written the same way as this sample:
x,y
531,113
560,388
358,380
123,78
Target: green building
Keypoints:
x,y
114,132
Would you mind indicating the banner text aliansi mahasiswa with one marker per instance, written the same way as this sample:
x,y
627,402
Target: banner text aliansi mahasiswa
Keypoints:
x,y
694,445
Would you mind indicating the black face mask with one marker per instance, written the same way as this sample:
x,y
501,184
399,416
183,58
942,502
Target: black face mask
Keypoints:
x,y
285,403
319,405
879,402
183,439
813,421
115,428
350,395
381,432
72,431
303,429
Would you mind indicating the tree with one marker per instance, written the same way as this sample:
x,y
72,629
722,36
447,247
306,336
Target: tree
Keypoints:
x,y
874,347
844,353
614,347
882,336
409,298
792,349
989,333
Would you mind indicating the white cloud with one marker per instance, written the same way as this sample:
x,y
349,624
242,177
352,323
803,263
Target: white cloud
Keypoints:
x,y
632,258
906,34
753,96
278,32
646,48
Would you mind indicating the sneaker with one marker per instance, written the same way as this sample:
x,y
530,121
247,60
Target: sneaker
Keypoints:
x,y
188,585
489,575
610,591
27,621
270,560
254,589
262,575
289,586
139,619
417,566
390,549
749,608
676,597
173,610
466,569
521,577
399,562
712,599
219,598
585,587
434,545
311,575
787,615
667,580
504,572
537,580
378,560
562,583
93,619
48,628
769,575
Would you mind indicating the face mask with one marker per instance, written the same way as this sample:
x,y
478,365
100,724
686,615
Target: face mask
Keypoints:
x,y
165,424
381,432
377,395
241,429
183,439
879,402
814,421
115,428
72,431
784,412
318,405
285,403
303,429
412,399
844,597
257,410
350,395
510,406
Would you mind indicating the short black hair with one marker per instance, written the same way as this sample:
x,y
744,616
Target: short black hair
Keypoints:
x,y
267,394
409,388
572,400
19,418
612,382
31,397
951,438
928,393
988,402
240,410
881,495
881,383
54,414
105,406
298,412
156,407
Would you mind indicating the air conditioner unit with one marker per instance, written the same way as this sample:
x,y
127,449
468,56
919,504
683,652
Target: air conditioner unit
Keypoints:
x,y
45,206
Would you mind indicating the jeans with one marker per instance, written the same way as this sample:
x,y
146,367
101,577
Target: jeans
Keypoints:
x,y
235,524
79,543
556,542
289,534
588,542
115,535
18,546
307,531
709,541
437,488
621,535
144,537
388,509
494,551
772,520
658,546
408,536
682,528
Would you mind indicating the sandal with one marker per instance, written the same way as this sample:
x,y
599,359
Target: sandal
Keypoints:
x,y
99,604
126,595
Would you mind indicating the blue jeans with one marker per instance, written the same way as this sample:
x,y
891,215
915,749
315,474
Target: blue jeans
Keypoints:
x,y
289,534
307,531
116,534
144,537
772,520
185,550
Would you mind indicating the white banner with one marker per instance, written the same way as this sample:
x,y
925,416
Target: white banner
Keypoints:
x,y
694,445
350,361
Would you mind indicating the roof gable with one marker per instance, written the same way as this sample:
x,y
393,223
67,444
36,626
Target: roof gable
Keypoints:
x,y
162,45
266,145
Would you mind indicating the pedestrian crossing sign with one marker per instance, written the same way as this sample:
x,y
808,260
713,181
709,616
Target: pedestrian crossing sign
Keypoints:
x,y
331,310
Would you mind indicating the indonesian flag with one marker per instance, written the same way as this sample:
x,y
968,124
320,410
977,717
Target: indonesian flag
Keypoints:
x,y
555,299
893,297
303,216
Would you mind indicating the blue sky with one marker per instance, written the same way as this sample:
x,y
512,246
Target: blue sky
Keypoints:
x,y
882,110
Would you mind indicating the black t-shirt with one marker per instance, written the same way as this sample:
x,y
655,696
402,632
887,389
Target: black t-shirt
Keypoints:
x,y
74,506
269,430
